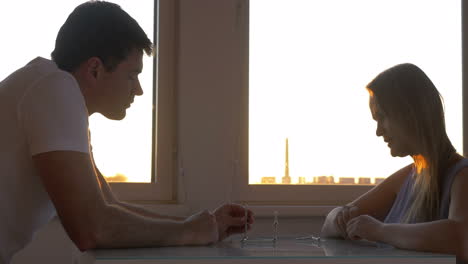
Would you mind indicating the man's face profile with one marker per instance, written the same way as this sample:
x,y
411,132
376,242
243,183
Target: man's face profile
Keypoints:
x,y
118,88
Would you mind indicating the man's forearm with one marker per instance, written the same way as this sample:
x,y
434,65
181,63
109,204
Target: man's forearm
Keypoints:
x,y
111,199
120,228
441,236
148,213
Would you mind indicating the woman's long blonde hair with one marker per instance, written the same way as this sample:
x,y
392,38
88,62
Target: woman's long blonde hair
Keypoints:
x,y
405,93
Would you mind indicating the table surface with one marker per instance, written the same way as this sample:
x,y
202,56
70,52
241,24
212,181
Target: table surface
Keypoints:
x,y
286,248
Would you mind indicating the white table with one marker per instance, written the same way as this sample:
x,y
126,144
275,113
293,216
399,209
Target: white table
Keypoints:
x,y
285,250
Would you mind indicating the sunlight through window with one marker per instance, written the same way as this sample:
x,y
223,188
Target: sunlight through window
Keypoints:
x,y
122,149
310,61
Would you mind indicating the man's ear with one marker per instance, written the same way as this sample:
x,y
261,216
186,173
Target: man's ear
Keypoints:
x,y
94,66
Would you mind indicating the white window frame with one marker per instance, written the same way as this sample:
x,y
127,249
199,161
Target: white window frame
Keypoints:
x,y
205,152
309,195
164,139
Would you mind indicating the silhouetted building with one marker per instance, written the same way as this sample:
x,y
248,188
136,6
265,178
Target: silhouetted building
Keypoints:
x,y
364,180
320,179
302,180
379,180
346,180
268,180
324,180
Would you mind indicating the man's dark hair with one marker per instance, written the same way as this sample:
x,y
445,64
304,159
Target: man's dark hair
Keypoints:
x,y
98,29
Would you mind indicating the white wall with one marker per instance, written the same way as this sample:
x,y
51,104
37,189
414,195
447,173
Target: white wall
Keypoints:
x,y
209,85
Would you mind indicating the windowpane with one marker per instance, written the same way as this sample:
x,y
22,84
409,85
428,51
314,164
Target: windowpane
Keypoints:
x,y
120,147
309,64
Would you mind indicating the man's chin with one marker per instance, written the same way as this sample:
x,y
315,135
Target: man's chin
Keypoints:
x,y
116,115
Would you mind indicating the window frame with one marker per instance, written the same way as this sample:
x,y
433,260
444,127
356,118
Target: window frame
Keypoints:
x,y
234,181
309,195
163,186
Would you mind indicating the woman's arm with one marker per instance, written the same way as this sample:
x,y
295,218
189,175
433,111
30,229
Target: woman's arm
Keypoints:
x,y
443,236
376,202
440,236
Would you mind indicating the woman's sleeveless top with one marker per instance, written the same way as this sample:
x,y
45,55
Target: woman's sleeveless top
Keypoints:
x,y
404,197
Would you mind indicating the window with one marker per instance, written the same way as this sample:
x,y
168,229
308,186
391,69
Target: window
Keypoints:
x,y
209,83
309,63
149,131
124,150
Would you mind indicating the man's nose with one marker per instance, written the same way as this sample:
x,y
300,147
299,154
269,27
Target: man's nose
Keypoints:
x,y
138,89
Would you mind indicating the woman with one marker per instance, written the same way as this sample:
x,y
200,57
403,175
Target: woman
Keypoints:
x,y
423,206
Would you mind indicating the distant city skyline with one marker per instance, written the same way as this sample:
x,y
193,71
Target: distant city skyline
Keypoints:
x,y
330,179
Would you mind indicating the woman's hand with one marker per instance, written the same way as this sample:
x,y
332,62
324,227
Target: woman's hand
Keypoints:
x,y
344,215
364,227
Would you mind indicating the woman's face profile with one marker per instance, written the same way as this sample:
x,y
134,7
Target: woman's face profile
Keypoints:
x,y
394,133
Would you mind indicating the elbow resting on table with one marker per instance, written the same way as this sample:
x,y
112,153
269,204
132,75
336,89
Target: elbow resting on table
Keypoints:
x,y
85,240
460,239
91,232
85,244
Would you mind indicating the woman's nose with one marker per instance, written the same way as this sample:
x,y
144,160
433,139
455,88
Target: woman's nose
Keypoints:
x,y
379,130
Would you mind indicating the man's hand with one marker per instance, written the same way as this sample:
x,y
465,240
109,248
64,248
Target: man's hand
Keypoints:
x,y
200,229
231,220
364,227
342,218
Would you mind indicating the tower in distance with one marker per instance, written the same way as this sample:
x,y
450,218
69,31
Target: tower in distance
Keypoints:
x,y
286,178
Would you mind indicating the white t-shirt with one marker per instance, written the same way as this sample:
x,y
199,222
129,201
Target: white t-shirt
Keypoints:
x,y
41,109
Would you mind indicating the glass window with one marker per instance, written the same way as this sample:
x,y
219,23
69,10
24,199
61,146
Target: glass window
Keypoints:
x,y
121,148
309,64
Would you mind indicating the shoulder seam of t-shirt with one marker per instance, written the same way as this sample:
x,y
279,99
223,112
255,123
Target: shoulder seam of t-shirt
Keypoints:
x,y
36,83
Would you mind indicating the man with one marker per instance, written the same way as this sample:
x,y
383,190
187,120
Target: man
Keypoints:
x,y
45,158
